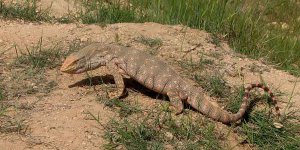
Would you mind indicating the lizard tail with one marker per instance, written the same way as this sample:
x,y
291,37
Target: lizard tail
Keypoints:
x,y
214,112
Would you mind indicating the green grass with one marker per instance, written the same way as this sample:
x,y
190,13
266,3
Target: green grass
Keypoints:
x,y
27,10
99,12
258,124
151,42
13,125
37,57
2,105
1,94
160,130
28,71
248,28
125,109
155,128
214,84
3,97
261,131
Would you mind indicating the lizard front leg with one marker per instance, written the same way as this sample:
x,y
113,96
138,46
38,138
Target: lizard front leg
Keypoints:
x,y
118,78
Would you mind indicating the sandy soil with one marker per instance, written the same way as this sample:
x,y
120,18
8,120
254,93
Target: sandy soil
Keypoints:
x,y
59,120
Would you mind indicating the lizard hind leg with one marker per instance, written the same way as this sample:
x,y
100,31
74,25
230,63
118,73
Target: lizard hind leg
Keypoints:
x,y
176,103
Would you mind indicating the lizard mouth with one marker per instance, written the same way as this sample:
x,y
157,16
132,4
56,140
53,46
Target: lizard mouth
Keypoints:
x,y
72,70
71,66
63,68
80,70
66,68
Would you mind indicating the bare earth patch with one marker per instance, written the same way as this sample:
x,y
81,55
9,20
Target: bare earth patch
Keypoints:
x,y
59,118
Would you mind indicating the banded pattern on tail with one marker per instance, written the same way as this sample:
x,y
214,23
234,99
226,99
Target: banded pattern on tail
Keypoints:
x,y
208,109
266,89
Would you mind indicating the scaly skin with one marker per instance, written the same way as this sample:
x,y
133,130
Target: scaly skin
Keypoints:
x,y
123,62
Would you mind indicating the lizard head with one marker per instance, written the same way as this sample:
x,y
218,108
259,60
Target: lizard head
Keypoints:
x,y
88,58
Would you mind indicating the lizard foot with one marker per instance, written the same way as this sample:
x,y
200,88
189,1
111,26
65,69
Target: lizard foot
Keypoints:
x,y
177,110
176,103
115,94
176,106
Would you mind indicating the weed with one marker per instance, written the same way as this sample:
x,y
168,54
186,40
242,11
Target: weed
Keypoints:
x,y
214,84
261,131
154,44
2,105
12,125
27,10
151,42
235,100
96,11
1,94
131,135
39,58
29,77
68,18
215,40
192,66
207,61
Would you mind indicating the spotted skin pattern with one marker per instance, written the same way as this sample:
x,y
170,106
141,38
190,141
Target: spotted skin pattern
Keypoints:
x,y
124,62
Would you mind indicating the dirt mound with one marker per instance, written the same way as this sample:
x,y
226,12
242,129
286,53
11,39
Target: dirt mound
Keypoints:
x,y
59,119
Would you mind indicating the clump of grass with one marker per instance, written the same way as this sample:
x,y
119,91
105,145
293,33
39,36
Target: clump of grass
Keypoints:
x,y
261,131
125,109
39,58
26,10
1,94
235,99
97,10
2,105
132,136
151,42
32,64
214,84
215,39
191,66
67,18
161,130
12,125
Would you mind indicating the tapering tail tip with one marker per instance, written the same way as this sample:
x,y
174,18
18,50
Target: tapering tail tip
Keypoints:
x,y
216,113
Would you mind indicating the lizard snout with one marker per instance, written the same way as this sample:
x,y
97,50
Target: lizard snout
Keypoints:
x,y
68,64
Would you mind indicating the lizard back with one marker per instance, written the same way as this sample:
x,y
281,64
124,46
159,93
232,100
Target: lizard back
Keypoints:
x,y
149,71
